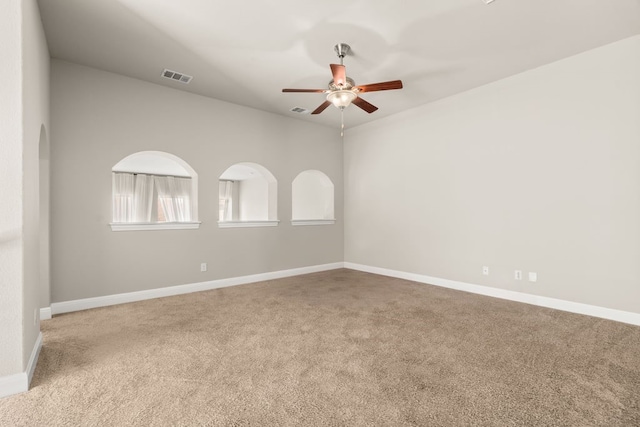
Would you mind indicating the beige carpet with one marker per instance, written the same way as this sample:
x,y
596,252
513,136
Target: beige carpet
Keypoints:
x,y
332,349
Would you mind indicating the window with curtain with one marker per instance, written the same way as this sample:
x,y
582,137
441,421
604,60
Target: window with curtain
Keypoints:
x,y
174,198
145,198
247,197
225,205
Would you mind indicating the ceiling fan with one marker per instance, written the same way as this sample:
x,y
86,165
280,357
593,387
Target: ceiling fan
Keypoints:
x,y
343,91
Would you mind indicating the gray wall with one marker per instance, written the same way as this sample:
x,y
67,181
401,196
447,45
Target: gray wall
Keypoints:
x,y
24,113
11,277
36,70
538,172
99,118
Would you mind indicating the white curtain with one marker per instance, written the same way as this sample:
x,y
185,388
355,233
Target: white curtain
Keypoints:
x,y
123,187
225,200
133,198
174,198
143,198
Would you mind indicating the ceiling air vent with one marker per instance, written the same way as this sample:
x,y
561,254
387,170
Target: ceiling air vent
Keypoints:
x,y
175,76
300,110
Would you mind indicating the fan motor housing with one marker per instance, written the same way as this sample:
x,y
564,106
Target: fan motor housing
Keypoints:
x,y
349,85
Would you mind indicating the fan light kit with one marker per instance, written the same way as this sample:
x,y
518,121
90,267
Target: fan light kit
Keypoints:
x,y
343,91
341,98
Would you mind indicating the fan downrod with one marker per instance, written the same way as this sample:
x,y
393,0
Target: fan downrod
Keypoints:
x,y
342,49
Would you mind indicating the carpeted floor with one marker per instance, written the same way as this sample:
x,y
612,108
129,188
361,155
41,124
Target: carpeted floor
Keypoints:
x,y
332,349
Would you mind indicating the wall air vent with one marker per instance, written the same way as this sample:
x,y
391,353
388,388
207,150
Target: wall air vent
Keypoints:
x,y
175,76
300,110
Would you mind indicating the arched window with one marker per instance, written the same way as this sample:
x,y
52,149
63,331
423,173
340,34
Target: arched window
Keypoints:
x,y
154,190
248,197
312,199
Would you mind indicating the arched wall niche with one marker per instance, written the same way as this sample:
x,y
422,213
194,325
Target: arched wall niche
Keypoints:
x,y
312,195
155,163
248,196
154,190
44,188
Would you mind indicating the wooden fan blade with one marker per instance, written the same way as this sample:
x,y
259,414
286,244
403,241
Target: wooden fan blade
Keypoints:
x,y
366,106
393,84
305,90
321,108
339,74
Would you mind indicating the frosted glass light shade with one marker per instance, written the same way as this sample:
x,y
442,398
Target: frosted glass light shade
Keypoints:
x,y
341,98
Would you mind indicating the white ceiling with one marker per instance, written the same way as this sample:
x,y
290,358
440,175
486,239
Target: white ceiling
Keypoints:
x,y
245,52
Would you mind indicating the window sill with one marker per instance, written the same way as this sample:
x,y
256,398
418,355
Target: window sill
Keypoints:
x,y
313,221
242,224
147,226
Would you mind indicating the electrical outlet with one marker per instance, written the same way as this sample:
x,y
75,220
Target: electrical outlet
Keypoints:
x,y
518,275
203,266
485,270
533,276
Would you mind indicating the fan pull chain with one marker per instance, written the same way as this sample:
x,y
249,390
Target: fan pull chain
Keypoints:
x,y
342,124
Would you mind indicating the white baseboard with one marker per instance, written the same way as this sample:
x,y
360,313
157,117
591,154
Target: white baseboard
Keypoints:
x,y
19,383
45,313
87,303
33,359
13,384
558,304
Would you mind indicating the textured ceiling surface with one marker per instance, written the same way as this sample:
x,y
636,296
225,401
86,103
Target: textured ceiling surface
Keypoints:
x,y
246,52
